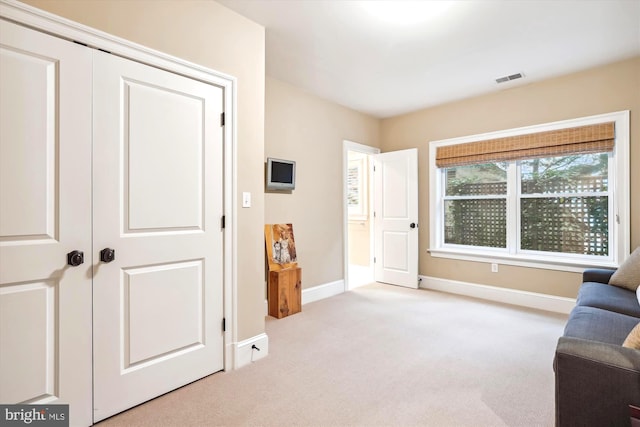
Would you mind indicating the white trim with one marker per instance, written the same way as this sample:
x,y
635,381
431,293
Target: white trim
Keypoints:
x,y
246,354
322,291
67,29
504,295
619,186
231,219
346,147
549,263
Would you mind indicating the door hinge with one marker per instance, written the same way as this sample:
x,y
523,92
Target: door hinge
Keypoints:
x,y
374,260
222,119
618,218
224,324
223,221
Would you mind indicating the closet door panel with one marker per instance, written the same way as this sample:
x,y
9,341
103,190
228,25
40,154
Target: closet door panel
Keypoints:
x,y
45,213
158,198
158,203
28,146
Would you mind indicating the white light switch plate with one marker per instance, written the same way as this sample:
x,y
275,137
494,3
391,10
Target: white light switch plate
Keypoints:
x,y
246,199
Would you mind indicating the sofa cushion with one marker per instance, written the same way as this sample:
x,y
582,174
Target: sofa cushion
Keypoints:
x,y
607,297
595,324
628,274
633,339
600,275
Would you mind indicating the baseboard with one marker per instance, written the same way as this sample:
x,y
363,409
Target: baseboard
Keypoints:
x,y
245,354
509,296
322,291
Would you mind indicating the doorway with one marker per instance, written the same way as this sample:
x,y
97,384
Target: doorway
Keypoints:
x,y
358,224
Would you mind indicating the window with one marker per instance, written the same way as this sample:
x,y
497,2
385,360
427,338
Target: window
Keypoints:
x,y
357,172
475,205
564,204
559,211
561,203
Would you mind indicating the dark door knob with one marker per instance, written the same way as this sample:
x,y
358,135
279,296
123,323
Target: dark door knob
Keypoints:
x,y
413,225
75,258
107,255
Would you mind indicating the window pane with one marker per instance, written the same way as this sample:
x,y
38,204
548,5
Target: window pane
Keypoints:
x,y
485,179
567,174
576,225
476,222
353,185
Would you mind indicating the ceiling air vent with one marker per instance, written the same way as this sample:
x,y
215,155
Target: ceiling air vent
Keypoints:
x,y
509,78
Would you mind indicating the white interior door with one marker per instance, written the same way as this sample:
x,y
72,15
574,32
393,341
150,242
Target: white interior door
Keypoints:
x,y
157,201
45,213
396,217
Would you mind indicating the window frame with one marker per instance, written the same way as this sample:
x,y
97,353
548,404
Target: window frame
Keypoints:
x,y
619,203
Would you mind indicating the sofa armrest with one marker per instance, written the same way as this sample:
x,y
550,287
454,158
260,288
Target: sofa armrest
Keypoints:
x,y
595,383
599,275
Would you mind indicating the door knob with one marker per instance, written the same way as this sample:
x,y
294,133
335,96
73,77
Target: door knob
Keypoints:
x,y
413,225
75,258
107,255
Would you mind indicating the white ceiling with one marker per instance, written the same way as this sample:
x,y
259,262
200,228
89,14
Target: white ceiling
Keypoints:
x,y
387,58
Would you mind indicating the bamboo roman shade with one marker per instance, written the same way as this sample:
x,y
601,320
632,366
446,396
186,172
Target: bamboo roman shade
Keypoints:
x,y
597,138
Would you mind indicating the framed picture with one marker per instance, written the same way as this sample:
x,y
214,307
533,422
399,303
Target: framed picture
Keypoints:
x,y
281,246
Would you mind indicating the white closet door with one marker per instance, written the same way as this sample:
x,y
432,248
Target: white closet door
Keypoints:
x,y
157,201
45,213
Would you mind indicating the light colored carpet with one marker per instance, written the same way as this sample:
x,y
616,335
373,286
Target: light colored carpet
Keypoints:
x,y
381,356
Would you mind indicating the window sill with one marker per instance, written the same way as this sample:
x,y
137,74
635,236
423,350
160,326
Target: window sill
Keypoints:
x,y
542,262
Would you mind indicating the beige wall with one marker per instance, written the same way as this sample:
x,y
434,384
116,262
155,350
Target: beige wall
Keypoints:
x,y
309,130
206,33
600,90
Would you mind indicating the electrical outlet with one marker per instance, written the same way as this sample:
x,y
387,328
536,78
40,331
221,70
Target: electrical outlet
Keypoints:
x,y
494,267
